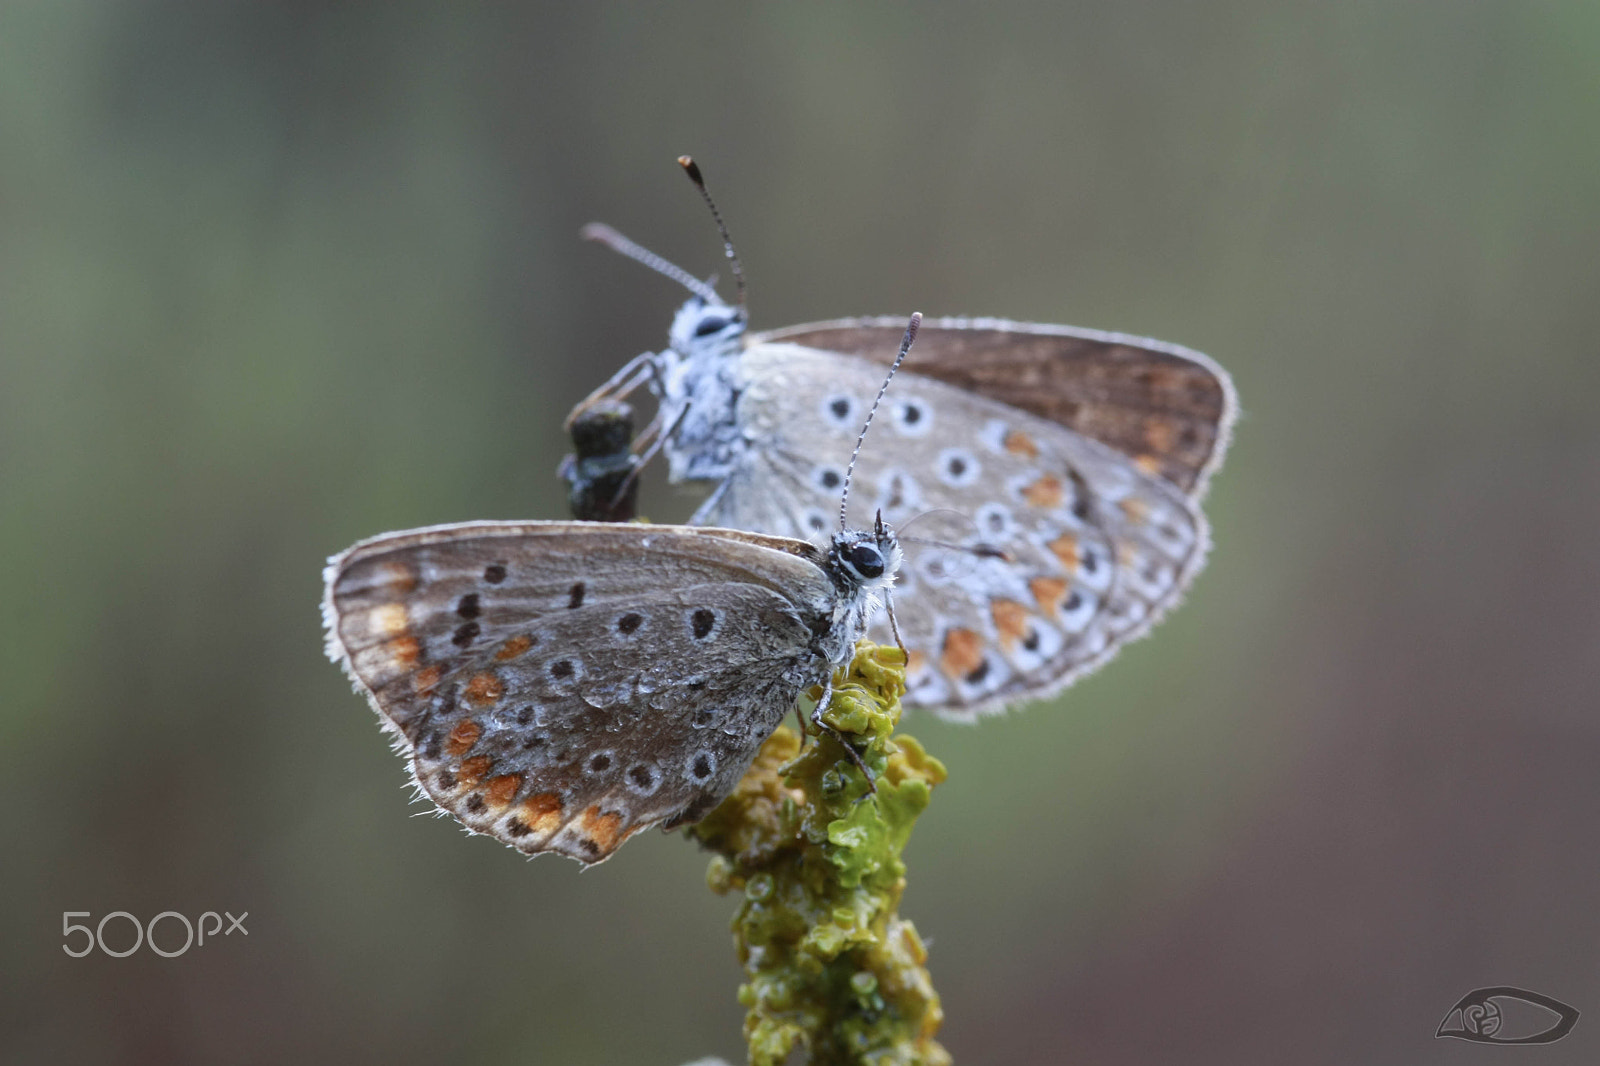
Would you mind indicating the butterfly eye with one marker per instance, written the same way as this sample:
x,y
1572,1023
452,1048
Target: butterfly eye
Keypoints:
x,y
865,560
709,326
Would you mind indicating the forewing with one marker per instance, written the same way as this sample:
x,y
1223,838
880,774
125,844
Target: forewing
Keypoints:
x,y
560,686
1032,552
1167,407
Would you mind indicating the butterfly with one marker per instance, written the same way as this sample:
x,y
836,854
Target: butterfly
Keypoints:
x,y
561,685
1046,480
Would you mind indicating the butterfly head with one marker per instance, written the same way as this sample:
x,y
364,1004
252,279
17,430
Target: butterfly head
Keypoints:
x,y
865,561
702,326
862,564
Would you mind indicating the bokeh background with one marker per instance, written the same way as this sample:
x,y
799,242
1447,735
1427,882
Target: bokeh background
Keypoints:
x,y
274,277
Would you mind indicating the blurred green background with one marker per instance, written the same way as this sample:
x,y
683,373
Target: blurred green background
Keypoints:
x,y
274,277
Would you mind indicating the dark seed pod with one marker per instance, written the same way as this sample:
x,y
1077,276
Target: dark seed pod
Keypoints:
x,y
600,474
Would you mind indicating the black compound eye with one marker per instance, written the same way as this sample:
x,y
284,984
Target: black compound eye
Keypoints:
x,y
865,560
709,326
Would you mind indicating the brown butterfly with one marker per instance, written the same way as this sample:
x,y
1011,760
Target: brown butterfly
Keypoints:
x,y
562,685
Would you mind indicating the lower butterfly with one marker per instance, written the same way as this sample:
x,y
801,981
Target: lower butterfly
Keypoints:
x,y
561,685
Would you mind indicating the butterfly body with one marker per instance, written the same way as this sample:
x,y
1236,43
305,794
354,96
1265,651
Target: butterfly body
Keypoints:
x,y
561,685
1057,471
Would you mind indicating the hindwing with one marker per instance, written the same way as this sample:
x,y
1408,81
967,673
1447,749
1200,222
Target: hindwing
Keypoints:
x,y
1033,552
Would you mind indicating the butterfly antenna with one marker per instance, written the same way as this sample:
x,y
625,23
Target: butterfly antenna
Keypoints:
x,y
601,233
982,551
905,346
692,168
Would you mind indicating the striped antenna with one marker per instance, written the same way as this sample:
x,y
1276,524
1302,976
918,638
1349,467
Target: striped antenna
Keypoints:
x,y
905,346
601,233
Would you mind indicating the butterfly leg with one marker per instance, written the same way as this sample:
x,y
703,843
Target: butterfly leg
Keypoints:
x,y
711,504
647,436
634,372
894,626
824,727
649,453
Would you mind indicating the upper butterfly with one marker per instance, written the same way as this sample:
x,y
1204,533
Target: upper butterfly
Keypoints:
x,y
1054,474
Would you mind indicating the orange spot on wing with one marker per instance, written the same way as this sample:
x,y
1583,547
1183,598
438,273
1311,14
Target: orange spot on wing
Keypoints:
x,y
513,648
1048,593
963,653
1159,435
1046,492
485,688
1011,619
1019,443
1136,510
604,829
543,812
473,769
398,577
1065,548
1149,464
915,661
503,789
427,679
404,651
463,736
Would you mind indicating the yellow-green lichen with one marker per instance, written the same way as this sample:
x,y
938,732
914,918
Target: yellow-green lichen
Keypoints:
x,y
829,964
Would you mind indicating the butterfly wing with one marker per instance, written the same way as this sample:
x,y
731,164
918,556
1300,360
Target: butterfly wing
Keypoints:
x,y
1033,552
1167,407
561,685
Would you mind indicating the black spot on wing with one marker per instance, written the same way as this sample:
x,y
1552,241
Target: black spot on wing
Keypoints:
x,y
702,622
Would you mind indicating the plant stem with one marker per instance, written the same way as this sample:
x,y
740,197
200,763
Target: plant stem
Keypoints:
x,y
829,964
